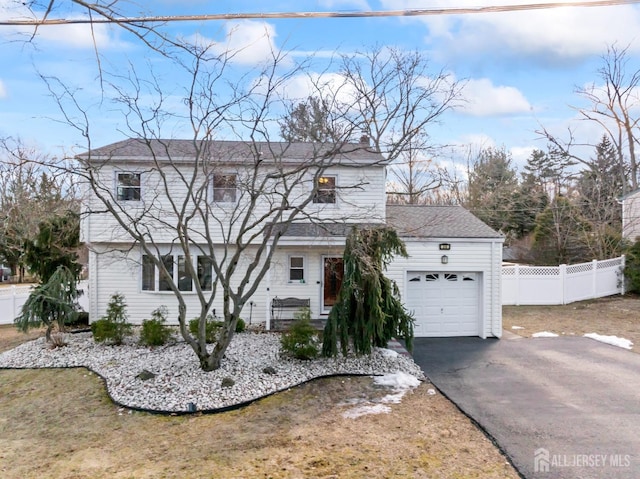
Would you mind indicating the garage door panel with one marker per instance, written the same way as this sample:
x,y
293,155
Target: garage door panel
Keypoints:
x,y
444,303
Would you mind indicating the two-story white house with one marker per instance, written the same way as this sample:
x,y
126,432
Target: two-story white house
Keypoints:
x,y
285,209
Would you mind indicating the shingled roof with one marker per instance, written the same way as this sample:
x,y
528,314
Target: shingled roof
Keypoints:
x,y
419,221
233,151
411,221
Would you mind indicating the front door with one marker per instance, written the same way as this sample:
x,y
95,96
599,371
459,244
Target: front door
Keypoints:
x,y
333,269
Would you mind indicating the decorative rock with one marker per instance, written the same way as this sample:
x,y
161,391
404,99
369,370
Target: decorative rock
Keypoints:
x,y
227,382
269,370
145,375
179,379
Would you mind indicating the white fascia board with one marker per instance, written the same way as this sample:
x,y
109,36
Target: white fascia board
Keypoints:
x,y
451,240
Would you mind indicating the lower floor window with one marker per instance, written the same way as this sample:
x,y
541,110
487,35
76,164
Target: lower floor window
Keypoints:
x,y
176,270
296,269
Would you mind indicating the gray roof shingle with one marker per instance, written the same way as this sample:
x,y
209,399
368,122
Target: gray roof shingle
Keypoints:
x,y
420,221
233,151
411,221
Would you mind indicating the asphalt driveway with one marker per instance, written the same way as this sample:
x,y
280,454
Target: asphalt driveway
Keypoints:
x,y
566,407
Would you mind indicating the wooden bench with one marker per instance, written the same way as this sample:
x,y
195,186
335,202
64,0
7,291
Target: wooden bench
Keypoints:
x,y
283,310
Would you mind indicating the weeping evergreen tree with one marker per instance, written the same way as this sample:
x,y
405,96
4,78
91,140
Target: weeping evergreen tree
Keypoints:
x,y
52,303
368,311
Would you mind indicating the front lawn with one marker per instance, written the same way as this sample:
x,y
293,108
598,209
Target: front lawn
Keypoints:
x,y
59,423
612,316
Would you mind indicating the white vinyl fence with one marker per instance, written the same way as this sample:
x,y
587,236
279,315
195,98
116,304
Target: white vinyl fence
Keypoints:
x,y
13,297
522,285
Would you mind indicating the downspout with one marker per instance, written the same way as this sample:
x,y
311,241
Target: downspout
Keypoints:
x,y
268,294
495,273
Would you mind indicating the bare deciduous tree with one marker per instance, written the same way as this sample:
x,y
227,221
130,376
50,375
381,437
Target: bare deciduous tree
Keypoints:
x,y
230,202
30,192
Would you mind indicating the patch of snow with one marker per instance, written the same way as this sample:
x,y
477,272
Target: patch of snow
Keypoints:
x,y
613,340
544,334
393,398
367,409
517,327
397,380
431,392
388,353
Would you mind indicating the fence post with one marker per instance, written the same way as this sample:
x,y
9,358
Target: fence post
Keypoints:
x,y
622,278
517,280
563,282
594,279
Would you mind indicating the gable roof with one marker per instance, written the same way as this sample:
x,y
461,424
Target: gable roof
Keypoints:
x,y
134,149
419,221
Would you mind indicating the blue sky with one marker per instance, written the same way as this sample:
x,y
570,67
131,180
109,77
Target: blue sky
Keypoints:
x,y
520,68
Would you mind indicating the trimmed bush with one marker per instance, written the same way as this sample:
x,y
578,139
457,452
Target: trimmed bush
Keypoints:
x,y
154,331
113,327
301,341
240,325
212,328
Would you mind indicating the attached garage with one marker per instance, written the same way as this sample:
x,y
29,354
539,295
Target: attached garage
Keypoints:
x,y
444,303
451,281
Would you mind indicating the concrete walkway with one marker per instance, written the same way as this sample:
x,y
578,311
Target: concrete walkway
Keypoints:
x,y
566,407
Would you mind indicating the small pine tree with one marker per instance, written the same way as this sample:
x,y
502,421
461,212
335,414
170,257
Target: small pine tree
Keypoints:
x,y
52,303
113,327
368,311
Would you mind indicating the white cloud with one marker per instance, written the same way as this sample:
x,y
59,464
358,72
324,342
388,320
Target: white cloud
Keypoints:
x,y
3,90
71,35
549,35
521,154
483,98
247,42
314,84
343,4
79,36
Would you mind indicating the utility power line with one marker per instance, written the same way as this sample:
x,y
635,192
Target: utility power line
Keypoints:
x,y
108,18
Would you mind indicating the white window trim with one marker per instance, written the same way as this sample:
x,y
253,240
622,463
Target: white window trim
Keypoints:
x,y
213,189
157,274
116,184
337,190
304,269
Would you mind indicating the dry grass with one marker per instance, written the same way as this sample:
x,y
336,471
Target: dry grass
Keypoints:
x,y
616,315
61,424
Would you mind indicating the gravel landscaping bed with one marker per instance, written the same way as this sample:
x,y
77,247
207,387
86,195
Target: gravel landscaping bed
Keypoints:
x,y
253,362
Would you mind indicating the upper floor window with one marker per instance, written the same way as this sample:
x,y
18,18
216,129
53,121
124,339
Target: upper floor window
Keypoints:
x,y
325,190
128,186
224,188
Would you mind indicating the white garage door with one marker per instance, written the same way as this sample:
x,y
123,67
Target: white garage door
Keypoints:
x,y
444,304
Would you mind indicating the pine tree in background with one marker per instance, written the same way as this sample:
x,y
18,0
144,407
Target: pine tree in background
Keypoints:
x,y
368,311
53,303
55,245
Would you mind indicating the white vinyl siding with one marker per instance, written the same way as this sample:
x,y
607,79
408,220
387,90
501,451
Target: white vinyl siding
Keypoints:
x,y
480,257
360,198
114,271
